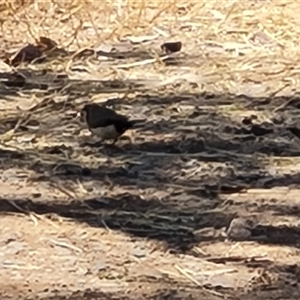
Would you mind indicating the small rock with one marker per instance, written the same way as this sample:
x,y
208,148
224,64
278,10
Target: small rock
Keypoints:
x,y
241,229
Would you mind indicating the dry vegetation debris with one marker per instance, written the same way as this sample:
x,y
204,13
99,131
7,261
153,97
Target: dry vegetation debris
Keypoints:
x,y
146,219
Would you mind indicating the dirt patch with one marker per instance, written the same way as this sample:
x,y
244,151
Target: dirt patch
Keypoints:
x,y
153,209
146,218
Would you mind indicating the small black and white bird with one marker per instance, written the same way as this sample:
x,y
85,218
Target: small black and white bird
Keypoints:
x,y
104,122
294,130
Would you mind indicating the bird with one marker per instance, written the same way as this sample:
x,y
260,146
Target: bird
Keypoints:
x,y
104,122
294,130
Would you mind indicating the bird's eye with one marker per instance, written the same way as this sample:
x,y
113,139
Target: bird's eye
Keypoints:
x,y
82,116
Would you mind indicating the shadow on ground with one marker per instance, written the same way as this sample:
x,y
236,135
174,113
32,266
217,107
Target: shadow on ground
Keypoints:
x,y
204,154
129,214
189,149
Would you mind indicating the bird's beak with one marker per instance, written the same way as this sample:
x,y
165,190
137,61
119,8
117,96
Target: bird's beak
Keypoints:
x,y
81,118
78,118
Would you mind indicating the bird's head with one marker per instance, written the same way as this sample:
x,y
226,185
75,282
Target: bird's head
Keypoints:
x,y
83,114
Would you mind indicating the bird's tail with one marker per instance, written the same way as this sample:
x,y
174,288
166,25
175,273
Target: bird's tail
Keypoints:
x,y
294,130
137,123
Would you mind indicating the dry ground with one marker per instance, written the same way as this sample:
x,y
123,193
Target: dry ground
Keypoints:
x,y
145,219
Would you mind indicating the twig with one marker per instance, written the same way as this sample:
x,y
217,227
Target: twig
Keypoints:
x,y
188,276
65,245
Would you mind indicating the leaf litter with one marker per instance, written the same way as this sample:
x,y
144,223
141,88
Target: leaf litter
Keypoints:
x,y
192,167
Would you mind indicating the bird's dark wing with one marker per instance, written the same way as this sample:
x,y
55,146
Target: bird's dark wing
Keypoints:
x,y
102,117
295,131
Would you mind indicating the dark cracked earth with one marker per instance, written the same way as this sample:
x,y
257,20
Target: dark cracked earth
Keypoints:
x,y
146,218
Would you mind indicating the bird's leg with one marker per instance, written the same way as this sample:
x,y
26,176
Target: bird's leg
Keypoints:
x,y
95,139
114,141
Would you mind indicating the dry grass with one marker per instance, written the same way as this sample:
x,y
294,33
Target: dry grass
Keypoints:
x,y
239,47
146,219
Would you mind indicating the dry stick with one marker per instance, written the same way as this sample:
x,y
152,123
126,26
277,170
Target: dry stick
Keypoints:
x,y
46,220
195,154
65,245
188,276
13,266
141,63
227,15
160,12
31,215
75,34
63,190
119,27
17,206
214,272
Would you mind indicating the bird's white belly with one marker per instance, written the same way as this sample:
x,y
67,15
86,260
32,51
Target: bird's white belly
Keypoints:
x,y
106,133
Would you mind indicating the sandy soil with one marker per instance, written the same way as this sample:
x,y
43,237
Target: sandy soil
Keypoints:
x,y
147,217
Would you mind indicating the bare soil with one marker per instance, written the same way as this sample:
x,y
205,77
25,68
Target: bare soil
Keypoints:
x,y
146,218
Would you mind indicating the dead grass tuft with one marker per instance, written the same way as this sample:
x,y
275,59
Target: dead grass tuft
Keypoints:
x,y
248,47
